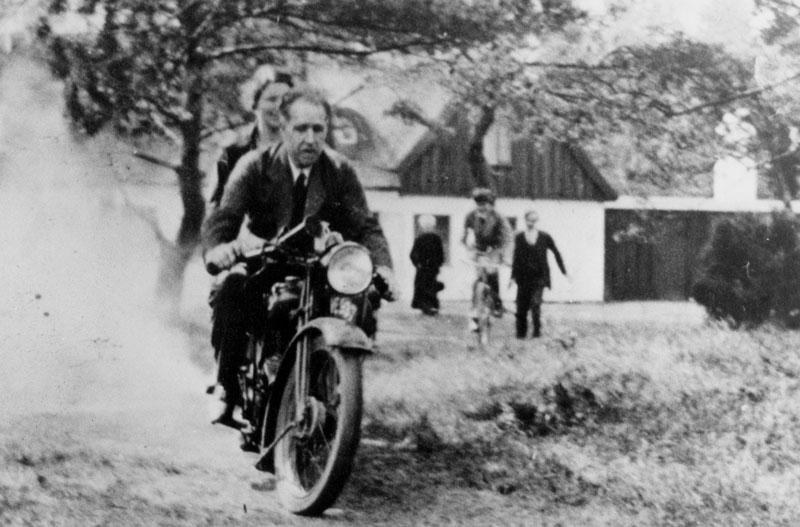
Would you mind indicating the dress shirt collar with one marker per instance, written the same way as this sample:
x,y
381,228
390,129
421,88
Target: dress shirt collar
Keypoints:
x,y
297,170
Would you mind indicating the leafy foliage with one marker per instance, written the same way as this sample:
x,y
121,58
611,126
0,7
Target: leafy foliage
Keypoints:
x,y
138,68
663,99
752,271
775,105
171,67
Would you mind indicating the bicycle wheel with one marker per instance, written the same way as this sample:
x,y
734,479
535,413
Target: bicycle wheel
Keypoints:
x,y
483,313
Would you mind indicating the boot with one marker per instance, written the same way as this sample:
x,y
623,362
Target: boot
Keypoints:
x,y
224,408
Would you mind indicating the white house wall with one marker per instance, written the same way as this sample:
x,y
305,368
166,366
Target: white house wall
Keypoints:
x,y
578,228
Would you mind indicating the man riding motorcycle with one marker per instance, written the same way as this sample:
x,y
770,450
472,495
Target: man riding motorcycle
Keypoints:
x,y
275,189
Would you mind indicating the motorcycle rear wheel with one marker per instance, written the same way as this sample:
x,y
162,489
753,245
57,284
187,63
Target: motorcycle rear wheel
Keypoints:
x,y
313,463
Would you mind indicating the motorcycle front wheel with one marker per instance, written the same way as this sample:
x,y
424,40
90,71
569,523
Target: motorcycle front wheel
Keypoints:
x,y
313,461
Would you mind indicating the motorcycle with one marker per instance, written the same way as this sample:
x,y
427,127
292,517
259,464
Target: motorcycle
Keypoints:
x,y
302,381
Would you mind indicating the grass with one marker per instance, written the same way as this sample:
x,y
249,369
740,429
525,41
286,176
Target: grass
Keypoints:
x,y
603,422
623,423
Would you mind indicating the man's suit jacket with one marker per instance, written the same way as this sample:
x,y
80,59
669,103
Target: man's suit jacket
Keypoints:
x,y
261,187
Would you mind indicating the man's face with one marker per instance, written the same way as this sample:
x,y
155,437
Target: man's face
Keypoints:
x,y
531,220
304,132
268,102
484,207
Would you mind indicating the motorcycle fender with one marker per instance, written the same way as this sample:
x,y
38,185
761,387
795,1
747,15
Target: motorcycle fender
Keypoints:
x,y
335,332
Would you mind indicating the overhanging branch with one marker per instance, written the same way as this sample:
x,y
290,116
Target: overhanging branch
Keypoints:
x,y
230,125
570,65
726,100
156,160
316,48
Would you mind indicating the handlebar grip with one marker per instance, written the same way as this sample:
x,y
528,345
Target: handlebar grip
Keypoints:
x,y
213,269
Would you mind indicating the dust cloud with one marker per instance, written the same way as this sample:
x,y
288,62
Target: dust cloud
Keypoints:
x,y
79,333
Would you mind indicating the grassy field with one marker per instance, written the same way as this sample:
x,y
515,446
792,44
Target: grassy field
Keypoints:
x,y
606,421
611,419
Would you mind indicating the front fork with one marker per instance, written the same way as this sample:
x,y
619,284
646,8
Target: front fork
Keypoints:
x,y
301,397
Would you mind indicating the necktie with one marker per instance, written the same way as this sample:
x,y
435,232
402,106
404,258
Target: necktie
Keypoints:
x,y
298,200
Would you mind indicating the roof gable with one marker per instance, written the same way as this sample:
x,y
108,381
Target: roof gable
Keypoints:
x,y
438,165
393,153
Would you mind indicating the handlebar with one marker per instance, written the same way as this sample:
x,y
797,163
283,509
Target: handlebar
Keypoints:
x,y
251,254
309,225
483,259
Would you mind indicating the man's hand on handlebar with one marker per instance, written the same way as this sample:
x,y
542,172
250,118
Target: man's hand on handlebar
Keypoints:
x,y
222,257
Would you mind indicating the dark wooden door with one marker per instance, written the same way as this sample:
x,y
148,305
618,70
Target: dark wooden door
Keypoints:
x,y
654,255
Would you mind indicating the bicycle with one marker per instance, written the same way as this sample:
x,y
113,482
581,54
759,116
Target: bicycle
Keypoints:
x,y
484,301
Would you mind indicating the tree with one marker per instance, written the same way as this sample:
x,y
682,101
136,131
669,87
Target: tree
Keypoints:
x,y
656,99
663,97
751,271
169,67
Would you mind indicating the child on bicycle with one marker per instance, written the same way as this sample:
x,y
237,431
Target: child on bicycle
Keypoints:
x,y
488,233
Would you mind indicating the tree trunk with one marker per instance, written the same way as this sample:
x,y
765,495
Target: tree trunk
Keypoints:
x,y
174,258
477,162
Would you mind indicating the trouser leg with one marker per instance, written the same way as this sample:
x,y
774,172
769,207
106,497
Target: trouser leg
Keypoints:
x,y
523,305
536,310
229,331
494,284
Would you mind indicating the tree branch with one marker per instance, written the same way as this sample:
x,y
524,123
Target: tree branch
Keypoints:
x,y
172,116
230,125
726,100
206,21
293,17
571,65
351,52
409,112
156,160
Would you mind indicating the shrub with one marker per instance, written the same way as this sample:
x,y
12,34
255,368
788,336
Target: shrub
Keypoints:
x,y
751,271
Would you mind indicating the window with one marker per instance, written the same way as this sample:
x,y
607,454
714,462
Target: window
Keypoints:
x,y
442,228
497,144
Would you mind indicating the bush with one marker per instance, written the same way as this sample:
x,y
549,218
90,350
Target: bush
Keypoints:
x,y
751,271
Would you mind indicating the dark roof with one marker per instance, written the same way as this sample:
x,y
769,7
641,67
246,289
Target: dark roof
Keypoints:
x,y
390,153
438,165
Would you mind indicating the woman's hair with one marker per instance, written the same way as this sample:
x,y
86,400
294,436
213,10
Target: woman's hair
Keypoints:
x,y
279,77
426,222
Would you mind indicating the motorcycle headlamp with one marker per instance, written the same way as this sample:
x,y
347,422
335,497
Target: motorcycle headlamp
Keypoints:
x,y
349,268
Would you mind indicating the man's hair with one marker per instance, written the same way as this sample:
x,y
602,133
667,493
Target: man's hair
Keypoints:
x,y
529,212
305,93
279,77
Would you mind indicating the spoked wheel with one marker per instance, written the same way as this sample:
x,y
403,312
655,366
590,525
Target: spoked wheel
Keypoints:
x,y
314,459
483,313
484,326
